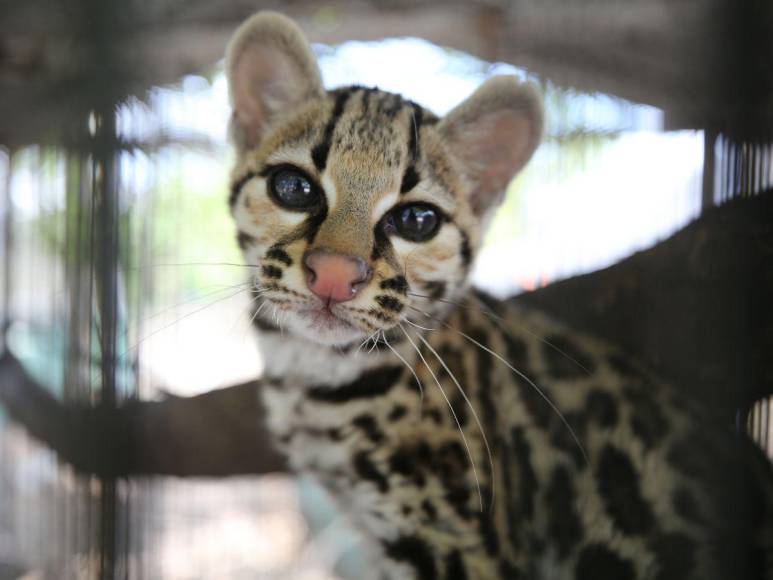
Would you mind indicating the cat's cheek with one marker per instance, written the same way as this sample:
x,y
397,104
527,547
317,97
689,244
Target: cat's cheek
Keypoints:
x,y
260,217
437,259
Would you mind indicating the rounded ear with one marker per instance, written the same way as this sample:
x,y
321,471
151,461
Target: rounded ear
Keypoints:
x,y
494,134
271,69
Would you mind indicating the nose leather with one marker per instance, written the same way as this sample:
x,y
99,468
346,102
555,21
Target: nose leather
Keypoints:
x,y
334,277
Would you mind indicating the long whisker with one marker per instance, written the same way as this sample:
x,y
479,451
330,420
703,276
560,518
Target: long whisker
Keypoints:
x,y
257,312
501,324
194,299
474,413
178,264
367,339
419,325
131,348
375,342
410,368
453,413
520,374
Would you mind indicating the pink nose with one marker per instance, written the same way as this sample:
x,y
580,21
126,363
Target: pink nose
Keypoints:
x,y
335,277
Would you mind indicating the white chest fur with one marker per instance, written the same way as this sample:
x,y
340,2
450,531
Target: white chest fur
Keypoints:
x,y
304,363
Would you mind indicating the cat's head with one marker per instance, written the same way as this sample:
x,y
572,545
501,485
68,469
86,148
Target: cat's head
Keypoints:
x,y
360,208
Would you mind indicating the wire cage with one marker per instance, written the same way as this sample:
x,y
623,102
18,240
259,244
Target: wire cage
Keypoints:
x,y
121,278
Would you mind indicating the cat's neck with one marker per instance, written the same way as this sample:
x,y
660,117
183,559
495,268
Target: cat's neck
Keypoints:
x,y
303,362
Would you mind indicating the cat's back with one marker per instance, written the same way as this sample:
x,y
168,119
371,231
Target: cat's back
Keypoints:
x,y
603,469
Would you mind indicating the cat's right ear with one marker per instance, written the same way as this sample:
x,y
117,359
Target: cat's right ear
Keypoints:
x,y
271,69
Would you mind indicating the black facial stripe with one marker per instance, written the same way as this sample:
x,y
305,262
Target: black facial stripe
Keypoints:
x,y
389,303
382,248
237,186
272,272
464,249
320,151
314,222
308,228
278,254
417,117
397,284
411,176
410,180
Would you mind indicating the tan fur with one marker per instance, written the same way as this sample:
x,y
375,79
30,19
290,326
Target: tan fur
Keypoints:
x,y
493,134
410,464
270,69
365,132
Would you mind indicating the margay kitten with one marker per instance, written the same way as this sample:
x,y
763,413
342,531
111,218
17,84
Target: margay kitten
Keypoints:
x,y
363,213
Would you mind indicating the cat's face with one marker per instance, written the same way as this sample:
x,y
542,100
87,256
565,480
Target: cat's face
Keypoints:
x,y
360,209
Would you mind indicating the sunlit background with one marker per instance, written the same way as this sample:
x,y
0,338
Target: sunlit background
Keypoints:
x,y
607,182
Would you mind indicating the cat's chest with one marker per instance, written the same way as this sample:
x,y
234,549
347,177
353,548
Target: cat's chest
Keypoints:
x,y
303,363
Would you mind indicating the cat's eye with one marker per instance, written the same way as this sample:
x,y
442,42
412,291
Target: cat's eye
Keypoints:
x,y
292,189
417,222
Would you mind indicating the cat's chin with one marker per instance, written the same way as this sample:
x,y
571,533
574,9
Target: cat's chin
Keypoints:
x,y
323,328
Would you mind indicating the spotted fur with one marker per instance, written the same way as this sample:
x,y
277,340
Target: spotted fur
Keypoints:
x,y
560,460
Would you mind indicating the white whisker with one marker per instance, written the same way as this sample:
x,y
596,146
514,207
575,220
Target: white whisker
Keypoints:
x,y
524,377
483,309
257,312
194,299
410,368
419,325
192,264
131,348
474,414
453,413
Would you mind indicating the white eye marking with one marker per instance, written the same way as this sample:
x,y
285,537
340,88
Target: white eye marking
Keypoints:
x,y
384,205
330,191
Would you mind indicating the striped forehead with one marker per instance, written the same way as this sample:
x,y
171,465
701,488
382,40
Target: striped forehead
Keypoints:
x,y
369,144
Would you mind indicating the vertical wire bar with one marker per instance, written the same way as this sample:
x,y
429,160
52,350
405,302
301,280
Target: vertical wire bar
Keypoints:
x,y
7,500
721,170
737,170
747,163
7,241
707,194
106,278
737,180
726,164
755,161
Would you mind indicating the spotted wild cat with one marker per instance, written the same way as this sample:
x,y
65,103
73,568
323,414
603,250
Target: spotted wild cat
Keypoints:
x,y
465,437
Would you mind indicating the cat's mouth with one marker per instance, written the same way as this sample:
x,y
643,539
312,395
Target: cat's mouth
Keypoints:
x,y
323,318
324,325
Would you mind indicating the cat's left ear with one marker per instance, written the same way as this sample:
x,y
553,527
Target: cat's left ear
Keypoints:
x,y
494,134
271,70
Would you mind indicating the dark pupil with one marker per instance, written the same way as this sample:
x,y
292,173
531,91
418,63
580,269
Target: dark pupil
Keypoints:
x,y
417,222
293,189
